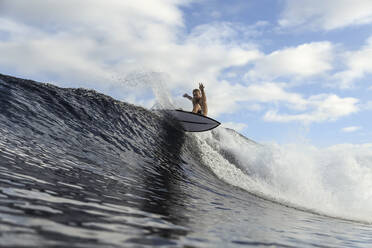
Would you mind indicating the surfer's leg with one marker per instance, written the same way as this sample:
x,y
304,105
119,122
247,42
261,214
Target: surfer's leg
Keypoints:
x,y
196,108
205,109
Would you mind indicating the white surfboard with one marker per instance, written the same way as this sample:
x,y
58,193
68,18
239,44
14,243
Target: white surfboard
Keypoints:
x,y
192,122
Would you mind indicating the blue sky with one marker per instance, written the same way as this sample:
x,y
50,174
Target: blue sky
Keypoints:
x,y
283,71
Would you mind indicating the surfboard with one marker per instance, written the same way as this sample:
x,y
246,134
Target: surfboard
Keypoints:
x,y
192,122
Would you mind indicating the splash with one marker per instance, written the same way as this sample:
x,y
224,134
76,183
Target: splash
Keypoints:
x,y
142,81
334,181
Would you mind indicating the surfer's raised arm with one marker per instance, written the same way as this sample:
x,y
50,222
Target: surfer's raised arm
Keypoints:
x,y
204,100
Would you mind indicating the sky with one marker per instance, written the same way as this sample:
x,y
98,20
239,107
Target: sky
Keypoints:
x,y
276,71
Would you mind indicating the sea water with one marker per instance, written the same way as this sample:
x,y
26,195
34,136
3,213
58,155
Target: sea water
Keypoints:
x,y
80,169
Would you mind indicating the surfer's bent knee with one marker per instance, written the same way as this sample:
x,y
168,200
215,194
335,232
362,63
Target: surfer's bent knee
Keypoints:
x,y
197,108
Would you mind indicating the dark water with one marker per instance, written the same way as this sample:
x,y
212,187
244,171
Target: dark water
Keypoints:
x,y
80,169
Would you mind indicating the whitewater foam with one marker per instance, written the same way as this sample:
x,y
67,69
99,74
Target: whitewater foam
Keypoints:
x,y
334,181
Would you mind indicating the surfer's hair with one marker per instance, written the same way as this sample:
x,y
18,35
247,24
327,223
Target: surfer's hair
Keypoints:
x,y
195,90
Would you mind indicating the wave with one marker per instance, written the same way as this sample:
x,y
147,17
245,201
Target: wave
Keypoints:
x,y
51,129
334,181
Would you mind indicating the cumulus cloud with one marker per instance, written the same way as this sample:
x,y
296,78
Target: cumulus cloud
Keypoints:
x,y
305,60
350,129
319,108
80,41
93,43
358,64
228,98
326,15
275,96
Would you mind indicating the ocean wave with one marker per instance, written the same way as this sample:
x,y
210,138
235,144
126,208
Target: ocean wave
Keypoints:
x,y
77,165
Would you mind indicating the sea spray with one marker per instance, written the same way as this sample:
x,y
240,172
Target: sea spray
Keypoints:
x,y
141,84
334,181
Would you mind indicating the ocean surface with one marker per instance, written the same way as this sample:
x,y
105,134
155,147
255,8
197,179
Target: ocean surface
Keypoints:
x,y
80,169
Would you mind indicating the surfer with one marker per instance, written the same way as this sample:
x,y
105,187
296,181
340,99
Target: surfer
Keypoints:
x,y
199,100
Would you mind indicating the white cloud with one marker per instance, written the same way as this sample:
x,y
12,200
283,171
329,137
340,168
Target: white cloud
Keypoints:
x,y
228,98
98,42
235,125
62,14
85,40
302,61
326,15
358,64
350,129
274,96
319,108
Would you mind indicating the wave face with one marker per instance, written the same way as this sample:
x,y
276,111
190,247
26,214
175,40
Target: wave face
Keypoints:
x,y
80,169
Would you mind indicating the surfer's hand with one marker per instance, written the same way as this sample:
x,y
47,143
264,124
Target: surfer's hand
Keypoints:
x,y
201,86
185,95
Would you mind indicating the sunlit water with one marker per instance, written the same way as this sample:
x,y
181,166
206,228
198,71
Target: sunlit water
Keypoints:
x,y
79,169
